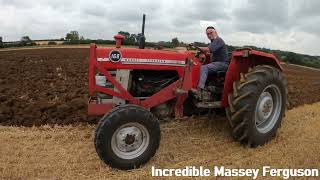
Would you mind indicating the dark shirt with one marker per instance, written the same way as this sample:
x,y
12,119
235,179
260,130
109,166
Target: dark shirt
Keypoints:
x,y
219,50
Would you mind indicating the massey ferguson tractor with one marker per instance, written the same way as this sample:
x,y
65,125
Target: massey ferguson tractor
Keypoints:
x,y
137,88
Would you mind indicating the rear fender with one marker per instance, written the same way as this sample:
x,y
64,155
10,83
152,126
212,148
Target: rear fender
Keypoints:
x,y
241,61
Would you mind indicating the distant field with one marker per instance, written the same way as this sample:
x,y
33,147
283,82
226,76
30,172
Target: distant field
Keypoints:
x,y
59,46
46,42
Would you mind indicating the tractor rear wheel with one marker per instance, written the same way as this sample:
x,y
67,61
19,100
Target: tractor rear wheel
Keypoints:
x,y
257,105
127,137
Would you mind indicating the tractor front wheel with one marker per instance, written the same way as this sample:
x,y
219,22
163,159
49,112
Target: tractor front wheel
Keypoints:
x,y
127,137
257,105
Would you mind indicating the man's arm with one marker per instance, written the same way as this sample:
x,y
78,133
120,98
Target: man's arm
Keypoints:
x,y
215,45
205,49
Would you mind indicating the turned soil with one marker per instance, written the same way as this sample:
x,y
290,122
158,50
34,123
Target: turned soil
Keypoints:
x,y
49,86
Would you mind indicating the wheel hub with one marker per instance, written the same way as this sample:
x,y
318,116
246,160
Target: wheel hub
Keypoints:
x,y
265,106
130,140
268,108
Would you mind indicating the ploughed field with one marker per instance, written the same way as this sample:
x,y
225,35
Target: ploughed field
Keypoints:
x,y
50,86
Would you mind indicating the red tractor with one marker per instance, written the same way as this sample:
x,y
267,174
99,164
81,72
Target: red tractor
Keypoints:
x,y
136,88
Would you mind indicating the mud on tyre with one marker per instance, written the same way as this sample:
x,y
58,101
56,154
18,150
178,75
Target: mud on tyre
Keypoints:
x,y
127,137
257,105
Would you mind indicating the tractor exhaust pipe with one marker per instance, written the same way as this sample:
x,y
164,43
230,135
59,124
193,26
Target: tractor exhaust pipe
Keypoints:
x,y
142,38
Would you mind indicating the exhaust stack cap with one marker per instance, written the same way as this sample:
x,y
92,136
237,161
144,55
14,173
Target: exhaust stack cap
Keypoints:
x,y
118,38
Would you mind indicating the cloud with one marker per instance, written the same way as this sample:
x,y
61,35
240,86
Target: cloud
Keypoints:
x,y
305,16
287,24
262,16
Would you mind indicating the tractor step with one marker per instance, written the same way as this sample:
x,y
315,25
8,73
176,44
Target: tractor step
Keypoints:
x,y
215,104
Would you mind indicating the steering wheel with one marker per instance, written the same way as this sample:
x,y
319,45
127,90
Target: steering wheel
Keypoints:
x,y
199,49
199,52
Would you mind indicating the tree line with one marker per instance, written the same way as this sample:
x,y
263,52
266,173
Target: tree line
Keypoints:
x,y
73,37
24,41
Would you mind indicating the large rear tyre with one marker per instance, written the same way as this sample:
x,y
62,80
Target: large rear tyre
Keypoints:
x,y
257,105
127,137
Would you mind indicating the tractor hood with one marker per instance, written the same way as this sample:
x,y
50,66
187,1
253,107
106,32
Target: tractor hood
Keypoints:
x,y
141,56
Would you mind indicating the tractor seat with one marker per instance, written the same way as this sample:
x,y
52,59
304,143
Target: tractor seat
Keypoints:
x,y
218,74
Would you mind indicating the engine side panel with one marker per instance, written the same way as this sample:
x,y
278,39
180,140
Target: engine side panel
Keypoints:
x,y
138,59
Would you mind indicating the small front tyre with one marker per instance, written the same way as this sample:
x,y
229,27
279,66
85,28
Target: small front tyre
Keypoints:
x,y
127,137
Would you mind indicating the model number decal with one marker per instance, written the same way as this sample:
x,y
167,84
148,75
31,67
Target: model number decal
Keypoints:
x,y
147,61
115,56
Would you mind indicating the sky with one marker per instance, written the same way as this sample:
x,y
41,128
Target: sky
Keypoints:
x,y
292,25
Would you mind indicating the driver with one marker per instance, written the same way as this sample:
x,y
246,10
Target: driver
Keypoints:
x,y
219,52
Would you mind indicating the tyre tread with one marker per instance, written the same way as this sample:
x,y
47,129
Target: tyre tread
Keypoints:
x,y
245,90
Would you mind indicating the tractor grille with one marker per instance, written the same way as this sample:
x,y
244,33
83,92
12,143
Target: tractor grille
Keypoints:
x,y
121,76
